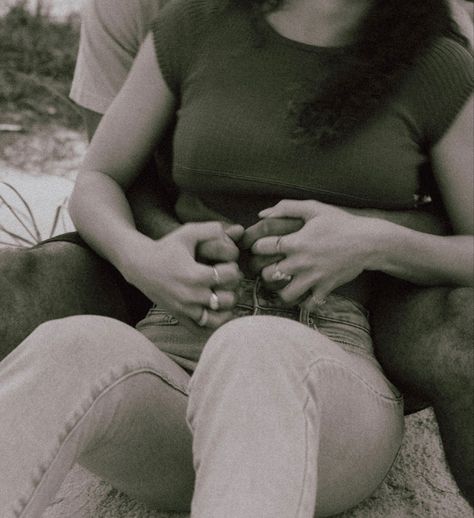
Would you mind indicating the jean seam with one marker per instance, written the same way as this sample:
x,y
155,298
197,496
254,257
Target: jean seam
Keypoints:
x,y
340,321
306,467
391,399
350,344
83,414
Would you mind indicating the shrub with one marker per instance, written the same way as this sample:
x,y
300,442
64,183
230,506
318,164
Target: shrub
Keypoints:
x,y
37,63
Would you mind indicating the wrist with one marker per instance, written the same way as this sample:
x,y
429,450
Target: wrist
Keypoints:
x,y
127,253
380,238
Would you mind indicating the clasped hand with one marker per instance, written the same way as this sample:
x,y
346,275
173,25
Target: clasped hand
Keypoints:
x,y
327,248
315,248
168,273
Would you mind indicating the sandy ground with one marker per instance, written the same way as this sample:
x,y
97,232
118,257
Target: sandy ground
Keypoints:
x,y
42,165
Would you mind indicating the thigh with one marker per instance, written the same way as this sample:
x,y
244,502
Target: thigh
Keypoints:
x,y
361,428
357,409
56,280
94,390
146,450
283,370
423,336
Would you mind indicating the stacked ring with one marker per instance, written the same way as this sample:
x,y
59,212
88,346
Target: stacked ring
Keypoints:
x,y
214,301
216,275
278,244
278,275
204,318
317,302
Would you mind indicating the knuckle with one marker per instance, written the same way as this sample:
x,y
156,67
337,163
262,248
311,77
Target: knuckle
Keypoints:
x,y
182,297
288,245
187,228
266,226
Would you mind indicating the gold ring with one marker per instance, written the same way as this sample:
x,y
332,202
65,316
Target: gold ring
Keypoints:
x,y
214,301
278,275
216,275
317,302
278,245
204,318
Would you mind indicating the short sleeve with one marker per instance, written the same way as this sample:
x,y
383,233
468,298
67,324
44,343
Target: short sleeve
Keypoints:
x,y
179,32
438,87
111,34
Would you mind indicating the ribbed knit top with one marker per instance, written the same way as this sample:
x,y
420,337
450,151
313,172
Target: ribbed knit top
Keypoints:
x,y
233,149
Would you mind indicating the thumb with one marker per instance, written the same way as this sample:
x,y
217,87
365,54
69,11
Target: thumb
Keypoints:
x,y
235,232
303,209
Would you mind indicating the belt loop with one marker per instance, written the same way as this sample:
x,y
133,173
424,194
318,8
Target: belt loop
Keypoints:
x,y
304,316
256,287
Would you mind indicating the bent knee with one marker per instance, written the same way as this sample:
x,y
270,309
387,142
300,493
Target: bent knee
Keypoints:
x,y
262,340
86,340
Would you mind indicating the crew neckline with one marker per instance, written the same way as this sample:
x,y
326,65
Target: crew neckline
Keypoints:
x,y
272,31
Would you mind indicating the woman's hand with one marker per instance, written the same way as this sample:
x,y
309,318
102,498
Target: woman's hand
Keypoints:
x,y
332,248
167,272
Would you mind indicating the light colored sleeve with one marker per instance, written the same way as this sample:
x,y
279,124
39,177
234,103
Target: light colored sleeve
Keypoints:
x,y
111,34
462,13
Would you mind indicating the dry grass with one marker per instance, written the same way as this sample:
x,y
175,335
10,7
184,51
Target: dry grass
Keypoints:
x,y
38,57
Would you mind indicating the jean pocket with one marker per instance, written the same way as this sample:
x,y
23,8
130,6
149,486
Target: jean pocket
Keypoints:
x,y
352,337
157,317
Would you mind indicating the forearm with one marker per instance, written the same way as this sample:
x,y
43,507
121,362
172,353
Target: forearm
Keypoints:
x,y
416,219
151,205
102,215
421,258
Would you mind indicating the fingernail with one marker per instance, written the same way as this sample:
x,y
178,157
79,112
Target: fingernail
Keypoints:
x,y
264,213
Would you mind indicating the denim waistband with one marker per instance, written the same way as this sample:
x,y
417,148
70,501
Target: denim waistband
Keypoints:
x,y
340,318
253,295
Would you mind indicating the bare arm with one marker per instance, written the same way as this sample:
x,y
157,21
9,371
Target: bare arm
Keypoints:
x,y
426,259
164,269
334,246
119,150
151,209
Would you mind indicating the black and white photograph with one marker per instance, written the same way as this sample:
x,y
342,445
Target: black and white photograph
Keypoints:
x,y
236,258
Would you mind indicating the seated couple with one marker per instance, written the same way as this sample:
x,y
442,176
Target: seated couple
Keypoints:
x,y
307,256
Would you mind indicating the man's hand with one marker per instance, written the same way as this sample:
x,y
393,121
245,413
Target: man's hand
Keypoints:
x,y
264,228
221,250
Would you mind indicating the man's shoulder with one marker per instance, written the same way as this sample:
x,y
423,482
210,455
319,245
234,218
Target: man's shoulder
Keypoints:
x,y
127,21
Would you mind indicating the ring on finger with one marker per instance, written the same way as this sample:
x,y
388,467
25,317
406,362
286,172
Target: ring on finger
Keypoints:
x,y
204,318
214,301
317,301
215,274
278,275
278,245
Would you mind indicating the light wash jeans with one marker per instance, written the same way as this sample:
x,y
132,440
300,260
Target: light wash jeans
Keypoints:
x,y
285,421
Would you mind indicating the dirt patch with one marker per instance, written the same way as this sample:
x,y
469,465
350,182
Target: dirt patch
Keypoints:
x,y
42,150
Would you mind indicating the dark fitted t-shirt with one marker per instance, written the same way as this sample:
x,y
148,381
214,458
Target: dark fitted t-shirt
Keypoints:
x,y
233,150
233,145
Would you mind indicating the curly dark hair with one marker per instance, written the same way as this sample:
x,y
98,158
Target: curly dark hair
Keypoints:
x,y
392,36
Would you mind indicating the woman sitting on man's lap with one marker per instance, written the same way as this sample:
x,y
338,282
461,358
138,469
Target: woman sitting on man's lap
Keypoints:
x,y
298,110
